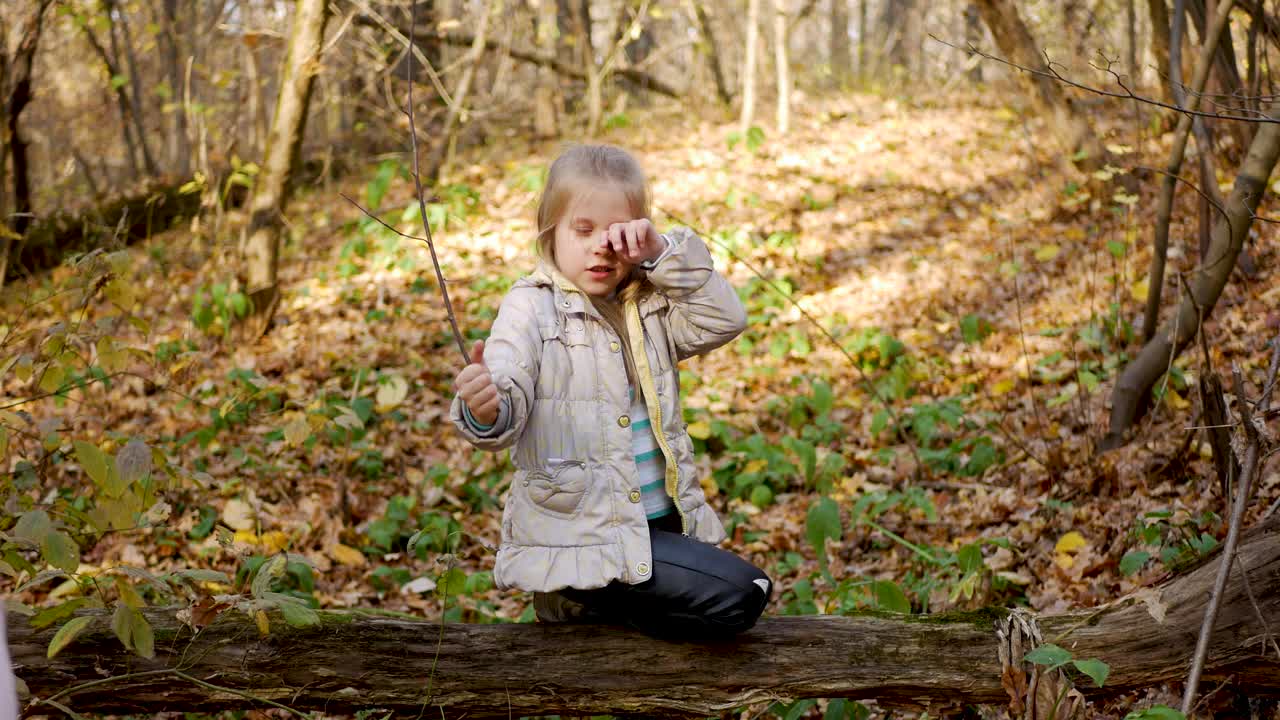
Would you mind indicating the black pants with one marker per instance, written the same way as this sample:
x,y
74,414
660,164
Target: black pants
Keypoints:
x,y
696,592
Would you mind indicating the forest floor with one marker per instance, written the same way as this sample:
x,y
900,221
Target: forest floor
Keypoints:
x,y
964,271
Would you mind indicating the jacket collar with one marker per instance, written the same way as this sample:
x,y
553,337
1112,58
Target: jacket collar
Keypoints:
x,y
568,298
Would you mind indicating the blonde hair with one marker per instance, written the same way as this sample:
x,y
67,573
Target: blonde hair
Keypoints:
x,y
579,169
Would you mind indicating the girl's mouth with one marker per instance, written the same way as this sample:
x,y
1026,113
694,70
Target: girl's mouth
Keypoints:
x,y
599,272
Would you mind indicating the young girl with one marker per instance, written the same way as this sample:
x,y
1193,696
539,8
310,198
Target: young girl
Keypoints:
x,y
606,520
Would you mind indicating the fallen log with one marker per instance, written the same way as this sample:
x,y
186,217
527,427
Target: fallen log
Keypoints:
x,y
355,660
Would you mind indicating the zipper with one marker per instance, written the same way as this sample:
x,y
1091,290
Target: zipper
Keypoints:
x,y
636,330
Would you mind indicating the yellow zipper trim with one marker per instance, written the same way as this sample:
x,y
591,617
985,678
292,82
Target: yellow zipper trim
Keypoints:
x,y
636,330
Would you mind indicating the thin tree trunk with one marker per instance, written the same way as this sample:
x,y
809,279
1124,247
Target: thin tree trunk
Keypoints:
x,y
712,51
261,247
122,102
862,40
135,92
358,660
546,108
179,142
19,95
781,63
1164,206
973,36
1131,397
749,66
437,165
841,61
1017,44
1158,13
130,96
1131,25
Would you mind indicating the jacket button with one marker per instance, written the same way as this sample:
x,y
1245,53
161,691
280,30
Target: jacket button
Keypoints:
x,y
614,346
624,421
634,495
642,568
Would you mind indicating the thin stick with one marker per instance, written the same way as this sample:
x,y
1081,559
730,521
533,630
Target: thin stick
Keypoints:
x,y
417,184
1229,547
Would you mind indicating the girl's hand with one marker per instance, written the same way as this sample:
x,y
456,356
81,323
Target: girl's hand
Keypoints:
x,y
635,241
475,386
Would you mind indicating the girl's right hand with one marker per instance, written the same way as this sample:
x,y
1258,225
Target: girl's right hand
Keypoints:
x,y
475,386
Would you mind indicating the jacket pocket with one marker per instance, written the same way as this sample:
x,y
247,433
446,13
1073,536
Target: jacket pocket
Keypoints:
x,y
560,489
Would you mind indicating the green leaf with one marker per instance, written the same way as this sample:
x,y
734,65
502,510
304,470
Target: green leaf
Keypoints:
x,y
66,634
1048,654
1094,668
761,496
451,582
60,551
100,468
822,522
33,526
122,625
889,596
269,571
970,558
57,613
299,615
1132,562
118,81
144,639
974,328
1116,248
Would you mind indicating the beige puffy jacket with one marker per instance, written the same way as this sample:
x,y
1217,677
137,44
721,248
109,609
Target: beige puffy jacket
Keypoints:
x,y
573,516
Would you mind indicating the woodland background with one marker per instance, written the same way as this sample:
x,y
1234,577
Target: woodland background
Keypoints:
x,y
223,386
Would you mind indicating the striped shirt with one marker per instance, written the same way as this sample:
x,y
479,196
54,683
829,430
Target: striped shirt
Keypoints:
x,y
651,467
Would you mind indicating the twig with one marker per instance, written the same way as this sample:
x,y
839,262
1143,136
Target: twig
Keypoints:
x,y
379,220
417,184
1026,356
1128,94
1229,547
866,381
241,693
1264,404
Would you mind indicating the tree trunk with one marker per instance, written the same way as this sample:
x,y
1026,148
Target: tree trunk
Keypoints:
x,y
1131,47
261,247
1018,46
1159,15
179,143
457,109
1131,397
1164,207
973,36
781,61
841,60
712,51
18,96
749,66
862,40
546,108
353,661
129,92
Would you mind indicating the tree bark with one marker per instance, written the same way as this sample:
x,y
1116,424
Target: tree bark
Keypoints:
x,y
129,92
712,52
440,153
1017,45
782,62
18,97
260,251
1164,207
973,36
1131,396
749,66
841,58
352,661
1158,12
546,108
179,143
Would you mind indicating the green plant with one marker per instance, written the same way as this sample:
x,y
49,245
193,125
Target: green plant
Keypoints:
x,y
1176,543
218,304
754,138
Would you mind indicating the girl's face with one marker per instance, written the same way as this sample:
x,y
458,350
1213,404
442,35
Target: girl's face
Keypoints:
x,y
581,253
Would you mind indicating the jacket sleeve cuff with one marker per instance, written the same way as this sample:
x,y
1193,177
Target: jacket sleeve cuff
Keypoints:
x,y
648,265
499,425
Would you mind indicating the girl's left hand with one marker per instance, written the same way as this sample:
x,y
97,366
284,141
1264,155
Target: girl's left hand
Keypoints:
x,y
635,241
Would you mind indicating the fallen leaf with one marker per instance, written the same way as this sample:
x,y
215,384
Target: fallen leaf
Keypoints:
x,y
238,515
347,555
